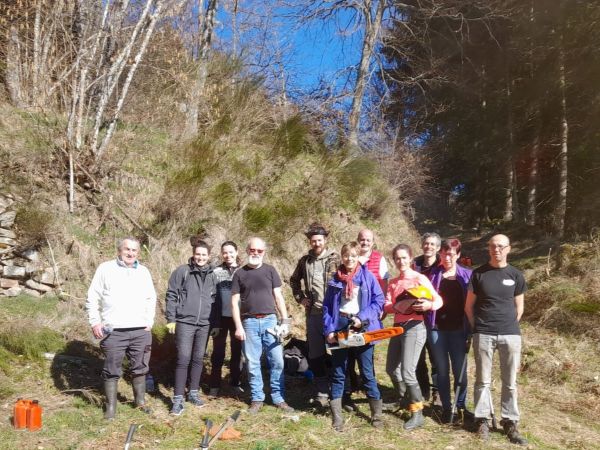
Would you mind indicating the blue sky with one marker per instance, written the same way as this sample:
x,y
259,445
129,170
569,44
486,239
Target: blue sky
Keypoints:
x,y
311,52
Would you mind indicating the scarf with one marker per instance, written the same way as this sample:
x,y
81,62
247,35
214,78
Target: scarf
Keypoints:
x,y
345,277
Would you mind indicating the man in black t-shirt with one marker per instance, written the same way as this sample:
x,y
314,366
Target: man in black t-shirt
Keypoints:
x,y
258,285
494,307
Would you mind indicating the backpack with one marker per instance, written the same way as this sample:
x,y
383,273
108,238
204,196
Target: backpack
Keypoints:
x,y
295,361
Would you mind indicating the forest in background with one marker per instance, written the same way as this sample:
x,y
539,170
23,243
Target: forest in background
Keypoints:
x,y
482,112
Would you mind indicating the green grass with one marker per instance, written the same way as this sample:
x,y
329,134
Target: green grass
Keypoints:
x,y
27,306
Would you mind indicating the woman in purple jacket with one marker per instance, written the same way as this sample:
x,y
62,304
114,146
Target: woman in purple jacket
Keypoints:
x,y
353,298
447,329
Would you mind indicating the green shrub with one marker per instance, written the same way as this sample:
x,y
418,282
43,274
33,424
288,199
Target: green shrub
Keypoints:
x,y
29,342
290,138
33,224
224,197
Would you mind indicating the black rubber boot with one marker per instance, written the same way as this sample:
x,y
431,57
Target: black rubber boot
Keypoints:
x,y
376,414
110,390
336,414
139,392
416,408
512,433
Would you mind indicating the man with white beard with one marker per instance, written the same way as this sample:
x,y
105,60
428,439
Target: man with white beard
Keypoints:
x,y
258,285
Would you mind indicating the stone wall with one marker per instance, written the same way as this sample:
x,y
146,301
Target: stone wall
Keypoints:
x,y
21,270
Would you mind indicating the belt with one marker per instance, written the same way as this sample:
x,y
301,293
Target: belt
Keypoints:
x,y
129,329
256,316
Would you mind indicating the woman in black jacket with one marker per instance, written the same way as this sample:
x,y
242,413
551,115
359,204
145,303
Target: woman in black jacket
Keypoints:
x,y
192,314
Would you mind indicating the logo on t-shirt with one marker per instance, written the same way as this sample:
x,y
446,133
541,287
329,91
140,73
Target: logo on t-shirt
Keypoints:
x,y
508,282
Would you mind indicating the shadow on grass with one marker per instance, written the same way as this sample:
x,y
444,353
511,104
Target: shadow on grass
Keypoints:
x,y
76,371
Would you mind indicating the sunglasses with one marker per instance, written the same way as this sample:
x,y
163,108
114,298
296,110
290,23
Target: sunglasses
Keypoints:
x,y
258,251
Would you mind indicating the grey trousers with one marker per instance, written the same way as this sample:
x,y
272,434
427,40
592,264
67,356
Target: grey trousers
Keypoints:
x,y
136,344
403,354
509,351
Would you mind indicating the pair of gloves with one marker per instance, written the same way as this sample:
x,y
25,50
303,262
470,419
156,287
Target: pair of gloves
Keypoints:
x,y
171,329
281,330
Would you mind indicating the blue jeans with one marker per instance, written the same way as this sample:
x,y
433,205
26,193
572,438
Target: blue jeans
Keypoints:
x,y
449,347
364,356
257,341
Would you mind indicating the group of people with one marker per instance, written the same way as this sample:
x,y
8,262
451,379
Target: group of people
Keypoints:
x,y
436,301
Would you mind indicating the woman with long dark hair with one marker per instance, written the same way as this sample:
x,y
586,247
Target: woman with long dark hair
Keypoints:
x,y
224,273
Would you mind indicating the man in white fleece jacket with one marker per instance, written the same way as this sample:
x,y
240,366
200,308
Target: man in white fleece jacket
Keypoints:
x,y
121,304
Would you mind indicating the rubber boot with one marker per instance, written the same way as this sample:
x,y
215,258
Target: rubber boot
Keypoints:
x,y
336,414
110,390
139,393
376,414
415,408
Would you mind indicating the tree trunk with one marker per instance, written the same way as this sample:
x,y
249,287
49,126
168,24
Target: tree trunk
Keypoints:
x,y
372,26
530,217
12,77
561,208
191,125
510,178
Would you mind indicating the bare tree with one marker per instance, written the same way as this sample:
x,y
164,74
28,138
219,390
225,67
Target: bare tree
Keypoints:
x,y
367,19
206,21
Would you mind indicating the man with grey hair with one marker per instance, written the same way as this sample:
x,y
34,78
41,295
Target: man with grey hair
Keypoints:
x,y
430,244
258,286
120,304
494,307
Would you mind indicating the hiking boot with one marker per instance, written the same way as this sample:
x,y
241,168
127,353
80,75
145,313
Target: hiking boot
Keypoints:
x,y
213,392
255,407
512,433
194,399
110,390
415,408
336,414
177,407
348,404
139,392
284,407
483,429
376,414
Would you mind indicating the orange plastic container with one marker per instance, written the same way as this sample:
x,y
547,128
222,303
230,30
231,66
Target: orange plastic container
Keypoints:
x,y
34,416
20,414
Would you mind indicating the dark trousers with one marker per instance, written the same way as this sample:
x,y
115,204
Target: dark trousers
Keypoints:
x,y
135,343
191,343
218,354
422,372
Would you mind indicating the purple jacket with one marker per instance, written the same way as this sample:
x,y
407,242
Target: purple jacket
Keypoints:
x,y
463,275
371,301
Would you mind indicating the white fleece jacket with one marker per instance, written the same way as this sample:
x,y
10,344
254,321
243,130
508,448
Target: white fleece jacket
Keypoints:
x,y
121,296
